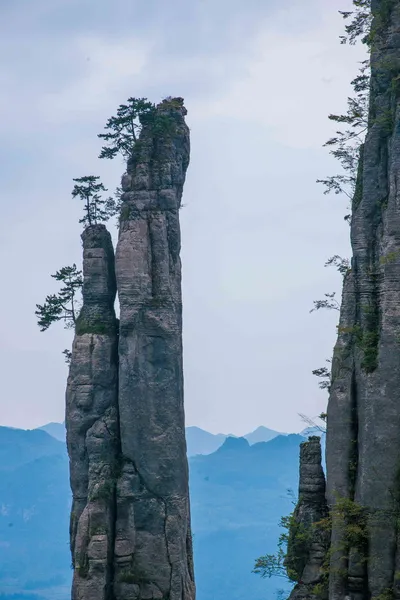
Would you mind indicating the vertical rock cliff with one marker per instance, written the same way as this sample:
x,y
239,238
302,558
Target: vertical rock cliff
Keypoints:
x,y
92,422
153,538
309,527
130,523
363,431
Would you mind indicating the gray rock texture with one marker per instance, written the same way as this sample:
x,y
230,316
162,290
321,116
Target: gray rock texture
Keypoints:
x,y
363,425
92,422
309,532
130,524
153,544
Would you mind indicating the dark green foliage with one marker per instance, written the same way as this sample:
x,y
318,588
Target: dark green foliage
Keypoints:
x,y
64,305
293,548
324,373
97,209
292,554
125,213
124,129
360,23
103,491
354,519
298,547
341,264
68,356
83,326
126,576
329,302
345,145
82,567
369,338
273,565
163,125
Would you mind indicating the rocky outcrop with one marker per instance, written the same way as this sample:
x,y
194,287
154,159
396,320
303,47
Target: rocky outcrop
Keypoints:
x,y
309,530
130,524
363,431
153,497
92,422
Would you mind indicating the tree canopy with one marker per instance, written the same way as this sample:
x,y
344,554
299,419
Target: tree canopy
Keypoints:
x,y
123,130
63,306
96,208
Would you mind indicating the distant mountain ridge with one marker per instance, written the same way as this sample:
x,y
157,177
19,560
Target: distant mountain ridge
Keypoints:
x,y
199,441
238,494
56,430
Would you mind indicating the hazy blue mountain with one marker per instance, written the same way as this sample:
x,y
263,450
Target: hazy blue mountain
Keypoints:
x,y
262,434
18,446
238,494
198,440
57,430
34,514
20,597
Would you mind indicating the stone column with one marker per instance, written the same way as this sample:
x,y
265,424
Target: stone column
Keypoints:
x,y
153,547
92,422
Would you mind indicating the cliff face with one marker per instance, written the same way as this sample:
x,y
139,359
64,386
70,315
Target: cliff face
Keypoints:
x,y
363,433
147,547
309,530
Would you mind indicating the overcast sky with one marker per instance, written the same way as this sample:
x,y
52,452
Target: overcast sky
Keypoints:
x,y
259,79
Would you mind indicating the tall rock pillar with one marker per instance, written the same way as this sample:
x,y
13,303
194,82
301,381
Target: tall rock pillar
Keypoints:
x,y
92,422
363,425
153,546
308,540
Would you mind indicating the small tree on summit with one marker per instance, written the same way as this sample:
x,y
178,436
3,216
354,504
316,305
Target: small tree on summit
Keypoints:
x,y
124,129
97,209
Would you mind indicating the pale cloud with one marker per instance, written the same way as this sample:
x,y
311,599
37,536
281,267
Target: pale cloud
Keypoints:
x,y
295,81
111,67
258,84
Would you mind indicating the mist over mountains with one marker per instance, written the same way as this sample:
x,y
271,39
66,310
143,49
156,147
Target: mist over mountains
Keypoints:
x,y
198,440
239,491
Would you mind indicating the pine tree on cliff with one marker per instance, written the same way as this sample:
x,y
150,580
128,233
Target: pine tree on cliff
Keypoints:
x,y
123,130
96,208
65,305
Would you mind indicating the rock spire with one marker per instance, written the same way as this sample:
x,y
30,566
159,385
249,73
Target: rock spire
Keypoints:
x,y
130,525
309,527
